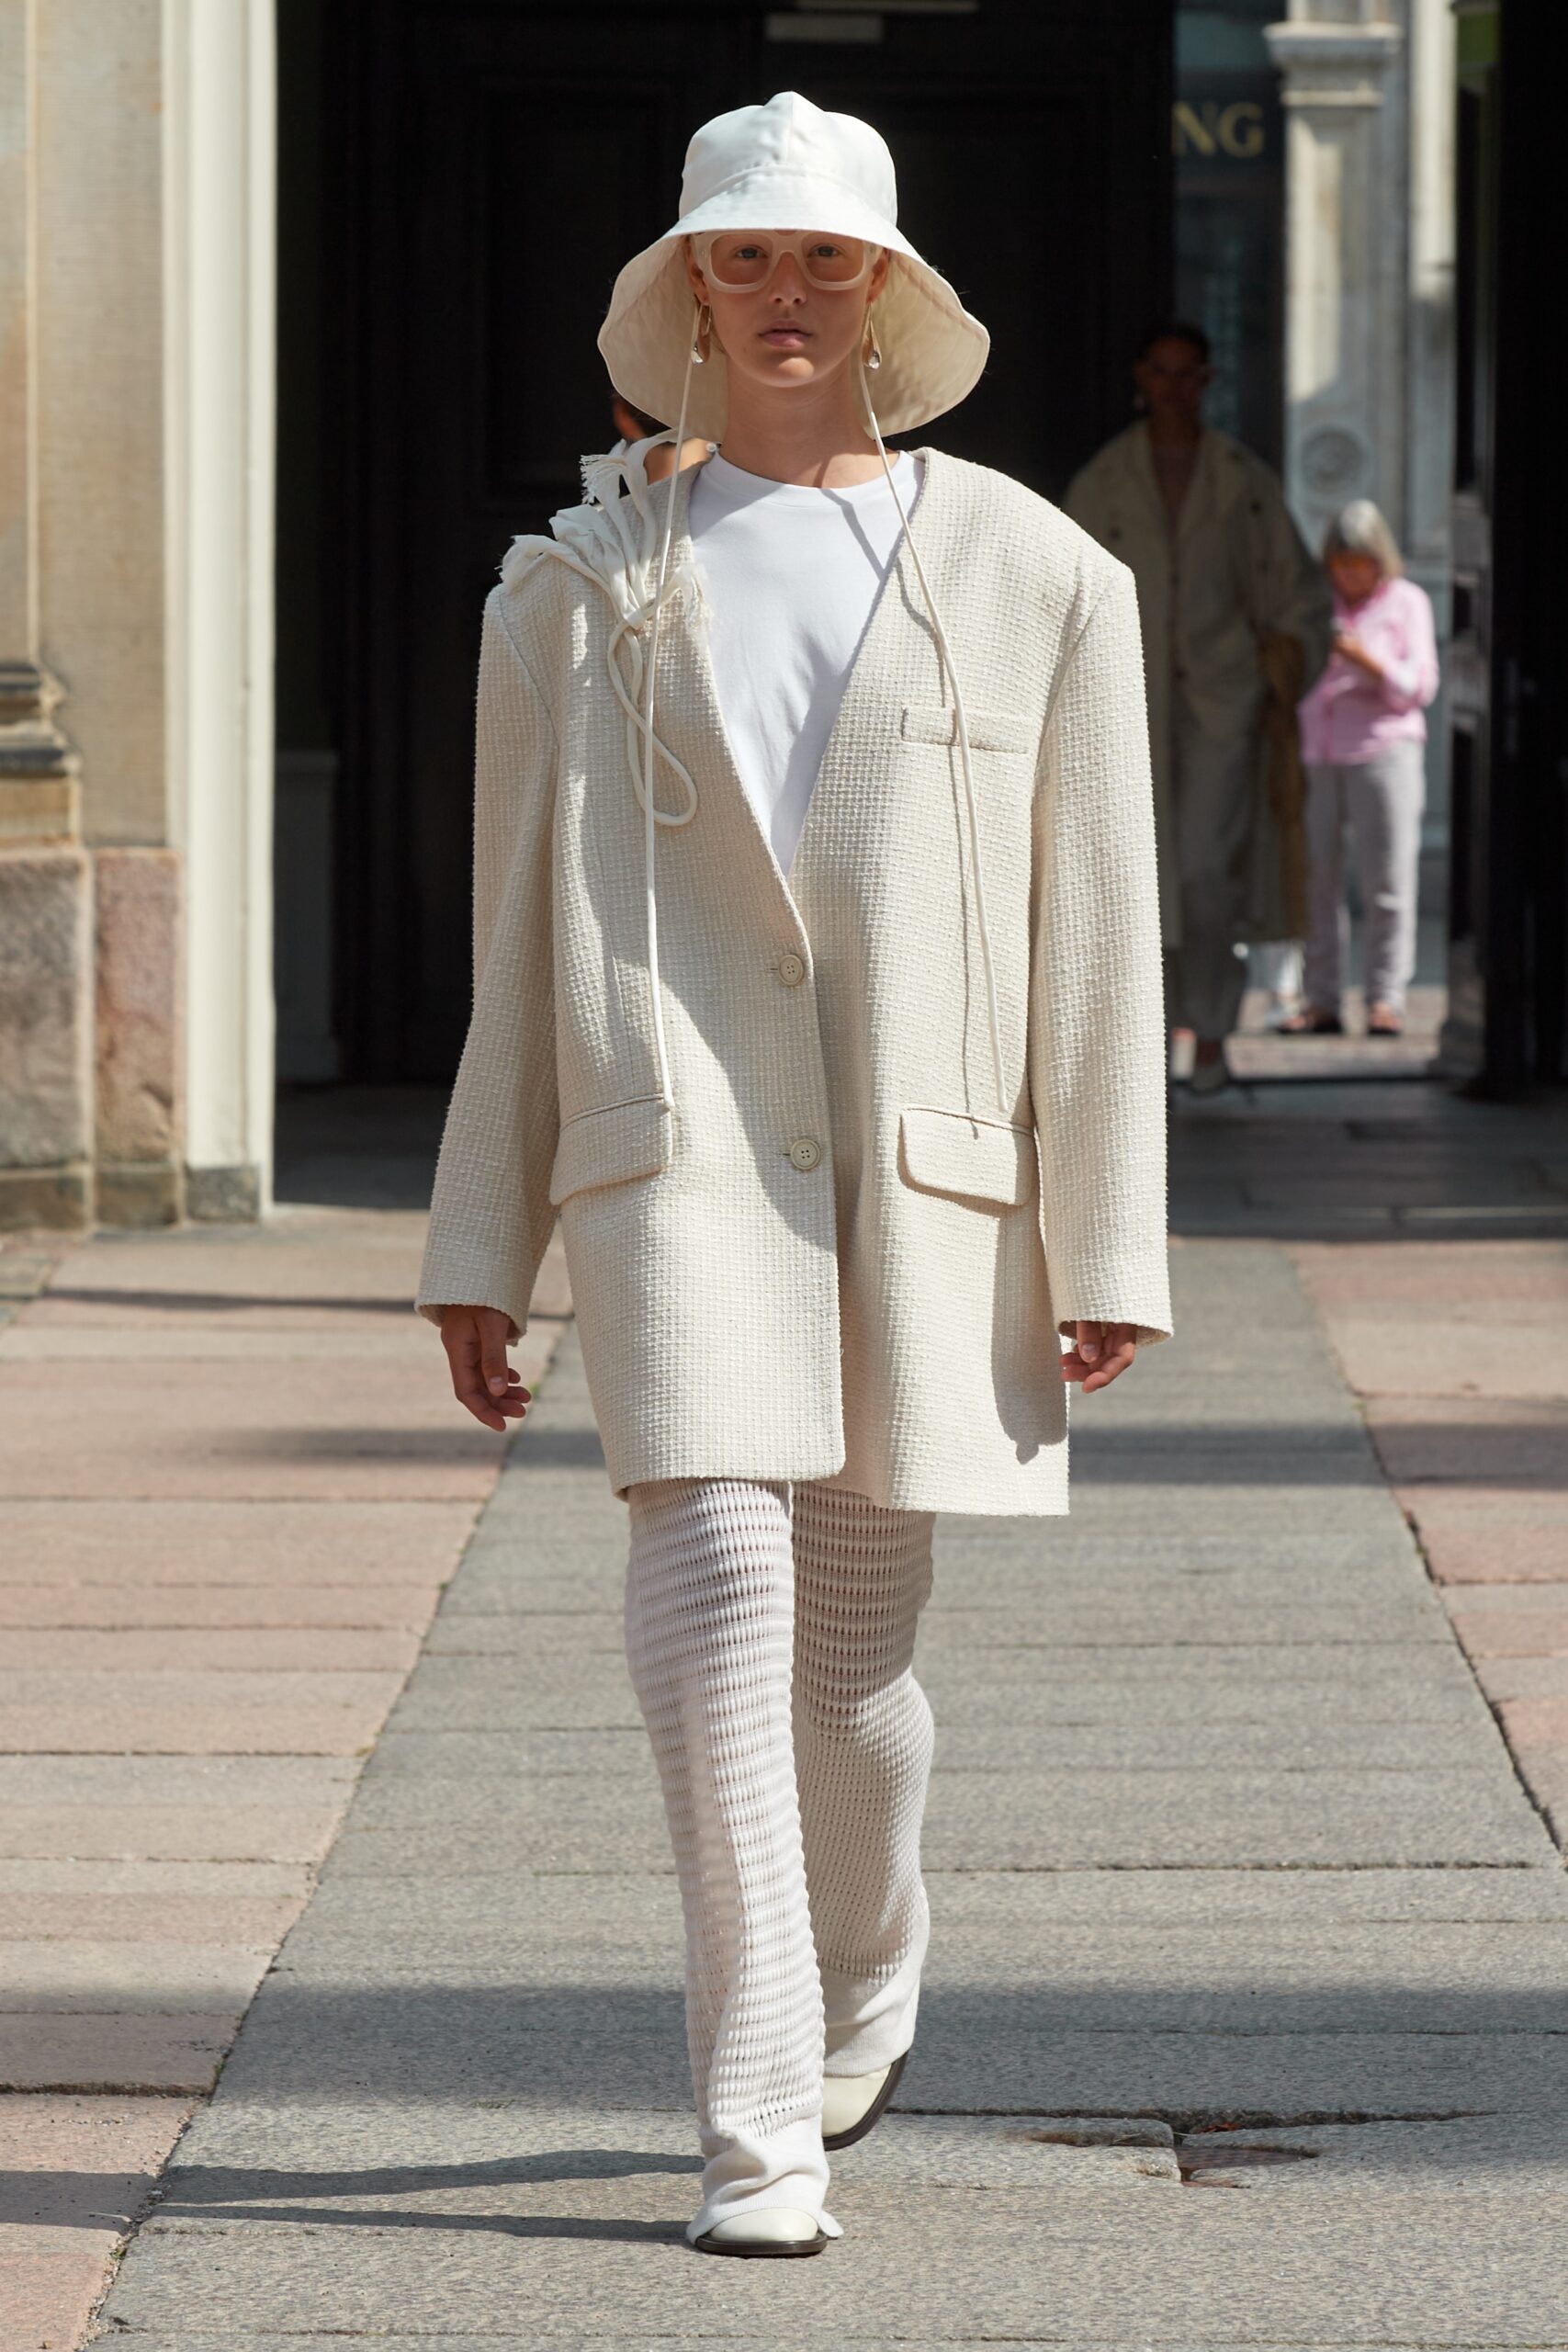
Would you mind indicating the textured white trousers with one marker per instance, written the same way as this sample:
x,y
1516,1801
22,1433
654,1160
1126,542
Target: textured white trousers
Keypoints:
x,y
770,1631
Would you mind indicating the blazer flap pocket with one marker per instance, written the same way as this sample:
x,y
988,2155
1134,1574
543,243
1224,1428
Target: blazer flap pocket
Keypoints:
x,y
611,1147
990,731
947,1151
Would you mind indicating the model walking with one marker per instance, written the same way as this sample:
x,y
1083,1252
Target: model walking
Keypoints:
x,y
818,986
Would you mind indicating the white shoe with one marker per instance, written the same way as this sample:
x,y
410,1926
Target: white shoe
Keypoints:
x,y
853,2103
776,2230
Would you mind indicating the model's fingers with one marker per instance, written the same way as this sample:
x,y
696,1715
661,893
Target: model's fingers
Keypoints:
x,y
494,1370
1115,1357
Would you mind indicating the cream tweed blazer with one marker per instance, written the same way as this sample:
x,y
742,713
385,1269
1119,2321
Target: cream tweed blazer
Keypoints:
x,y
831,1255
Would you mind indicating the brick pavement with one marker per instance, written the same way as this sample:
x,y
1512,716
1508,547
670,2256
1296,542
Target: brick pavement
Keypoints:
x,y
231,1490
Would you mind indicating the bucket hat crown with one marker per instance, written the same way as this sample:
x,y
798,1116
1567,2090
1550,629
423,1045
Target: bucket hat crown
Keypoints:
x,y
790,165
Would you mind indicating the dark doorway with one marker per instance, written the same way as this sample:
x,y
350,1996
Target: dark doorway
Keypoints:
x,y
487,169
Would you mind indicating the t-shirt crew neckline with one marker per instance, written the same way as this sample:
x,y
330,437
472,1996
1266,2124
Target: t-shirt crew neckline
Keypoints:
x,y
735,482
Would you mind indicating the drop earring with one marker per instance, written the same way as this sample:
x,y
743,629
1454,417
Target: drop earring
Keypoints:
x,y
702,335
870,349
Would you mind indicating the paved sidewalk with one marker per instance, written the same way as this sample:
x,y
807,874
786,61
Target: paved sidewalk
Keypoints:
x,y
1234,1886
1459,1351
231,1485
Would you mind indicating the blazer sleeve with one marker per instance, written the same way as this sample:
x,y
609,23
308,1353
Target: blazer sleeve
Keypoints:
x,y
491,1216
1097,1049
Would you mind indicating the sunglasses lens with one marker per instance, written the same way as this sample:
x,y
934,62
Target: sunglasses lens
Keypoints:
x,y
742,258
833,261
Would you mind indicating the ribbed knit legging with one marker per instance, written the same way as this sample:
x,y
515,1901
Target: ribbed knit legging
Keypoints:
x,y
769,1630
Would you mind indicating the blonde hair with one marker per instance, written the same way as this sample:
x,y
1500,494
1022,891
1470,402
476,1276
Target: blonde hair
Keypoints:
x,y
1359,529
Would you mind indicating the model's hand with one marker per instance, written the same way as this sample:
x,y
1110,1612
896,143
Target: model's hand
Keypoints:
x,y
475,1341
1354,651
1100,1353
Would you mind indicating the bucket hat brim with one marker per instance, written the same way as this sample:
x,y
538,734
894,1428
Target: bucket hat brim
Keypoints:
x,y
933,352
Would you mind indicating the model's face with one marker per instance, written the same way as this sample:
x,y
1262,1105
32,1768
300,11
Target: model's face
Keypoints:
x,y
787,334
1173,379
1355,577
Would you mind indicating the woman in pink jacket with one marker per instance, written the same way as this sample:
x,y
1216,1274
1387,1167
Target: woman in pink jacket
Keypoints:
x,y
1363,739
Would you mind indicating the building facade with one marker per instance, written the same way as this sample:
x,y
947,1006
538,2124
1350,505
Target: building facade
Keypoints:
x,y
137,146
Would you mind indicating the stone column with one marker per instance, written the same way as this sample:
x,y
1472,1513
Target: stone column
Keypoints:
x,y
136,360
1368,91
1344,280
45,883
221,194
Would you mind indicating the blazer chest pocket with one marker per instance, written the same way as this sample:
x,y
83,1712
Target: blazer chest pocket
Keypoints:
x,y
978,1160
611,1147
990,731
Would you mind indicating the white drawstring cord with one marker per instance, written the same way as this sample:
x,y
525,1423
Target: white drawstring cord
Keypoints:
x,y
649,814
941,635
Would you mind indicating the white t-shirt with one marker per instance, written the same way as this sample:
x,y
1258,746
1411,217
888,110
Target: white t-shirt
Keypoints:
x,y
791,575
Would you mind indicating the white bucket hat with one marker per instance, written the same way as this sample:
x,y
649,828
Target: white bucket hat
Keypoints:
x,y
790,165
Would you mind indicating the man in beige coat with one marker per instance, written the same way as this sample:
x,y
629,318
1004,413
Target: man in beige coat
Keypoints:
x,y
1221,569
845,1075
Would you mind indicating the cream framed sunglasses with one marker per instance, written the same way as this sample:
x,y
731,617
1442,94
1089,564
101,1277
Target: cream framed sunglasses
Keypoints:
x,y
741,260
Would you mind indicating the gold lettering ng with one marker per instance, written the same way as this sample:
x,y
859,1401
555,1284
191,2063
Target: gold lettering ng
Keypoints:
x,y
1206,127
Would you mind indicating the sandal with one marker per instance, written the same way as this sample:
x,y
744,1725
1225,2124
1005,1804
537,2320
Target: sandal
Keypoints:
x,y
1313,1022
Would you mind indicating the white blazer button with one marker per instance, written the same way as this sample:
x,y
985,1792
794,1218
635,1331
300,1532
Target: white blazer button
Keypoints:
x,y
791,968
804,1153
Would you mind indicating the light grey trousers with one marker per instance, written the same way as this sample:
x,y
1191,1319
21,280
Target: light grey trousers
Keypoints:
x,y
769,1630
1380,801
1214,782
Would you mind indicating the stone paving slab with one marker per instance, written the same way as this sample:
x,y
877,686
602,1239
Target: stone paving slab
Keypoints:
x,y
1178,1687
254,1431
998,1819
740,2333
1521,1442
1510,1620
79,2167
199,1544
86,1977
175,1779
353,1923
170,1832
115,1917
181,1649
1274,1976
1059,1620
503,1757
1374,2268
112,1610
69,1875
111,2051
1490,1535
114,1727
